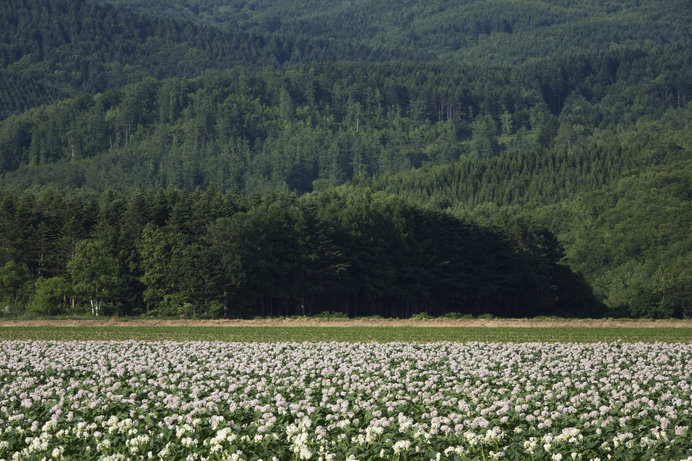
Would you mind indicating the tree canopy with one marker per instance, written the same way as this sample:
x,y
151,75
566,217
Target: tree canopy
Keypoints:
x,y
209,254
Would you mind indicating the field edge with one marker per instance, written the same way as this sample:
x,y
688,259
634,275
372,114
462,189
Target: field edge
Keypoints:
x,y
351,323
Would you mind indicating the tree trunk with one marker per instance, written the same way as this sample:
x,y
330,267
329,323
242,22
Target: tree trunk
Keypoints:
x,y
95,307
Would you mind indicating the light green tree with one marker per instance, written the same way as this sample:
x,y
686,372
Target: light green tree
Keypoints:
x,y
50,296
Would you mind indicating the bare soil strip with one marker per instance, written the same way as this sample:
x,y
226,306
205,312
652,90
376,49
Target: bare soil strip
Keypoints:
x,y
461,323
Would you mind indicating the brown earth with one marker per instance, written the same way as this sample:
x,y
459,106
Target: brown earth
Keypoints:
x,y
533,323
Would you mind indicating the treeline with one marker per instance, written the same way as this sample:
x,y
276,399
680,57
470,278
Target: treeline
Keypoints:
x,y
303,128
207,254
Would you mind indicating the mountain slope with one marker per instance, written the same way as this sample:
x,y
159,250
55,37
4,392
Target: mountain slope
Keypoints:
x,y
499,30
51,49
304,128
621,206
631,240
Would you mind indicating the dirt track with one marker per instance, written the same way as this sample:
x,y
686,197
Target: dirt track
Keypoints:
x,y
547,323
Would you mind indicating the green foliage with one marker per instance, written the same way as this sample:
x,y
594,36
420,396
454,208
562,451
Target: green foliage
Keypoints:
x,y
347,251
50,296
421,316
619,204
632,240
95,273
55,49
330,315
301,128
501,30
14,286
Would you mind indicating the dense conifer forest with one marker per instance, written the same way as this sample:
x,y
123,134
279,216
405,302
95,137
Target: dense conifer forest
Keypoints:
x,y
513,158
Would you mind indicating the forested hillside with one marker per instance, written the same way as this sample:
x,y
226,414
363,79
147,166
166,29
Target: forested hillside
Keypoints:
x,y
621,207
51,49
500,31
321,126
529,126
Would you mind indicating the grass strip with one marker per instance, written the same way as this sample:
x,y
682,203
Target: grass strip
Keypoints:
x,y
341,334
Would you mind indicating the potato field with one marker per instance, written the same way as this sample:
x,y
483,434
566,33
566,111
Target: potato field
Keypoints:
x,y
195,400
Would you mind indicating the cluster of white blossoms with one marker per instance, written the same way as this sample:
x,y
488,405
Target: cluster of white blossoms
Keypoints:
x,y
344,401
